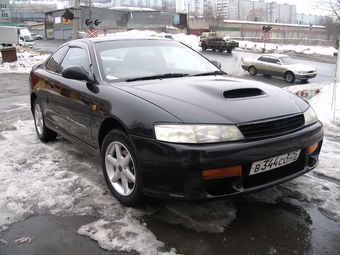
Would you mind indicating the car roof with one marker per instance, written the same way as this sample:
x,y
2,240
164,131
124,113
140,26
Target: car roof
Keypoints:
x,y
275,55
121,37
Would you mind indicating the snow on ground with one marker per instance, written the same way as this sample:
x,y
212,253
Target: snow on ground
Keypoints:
x,y
57,178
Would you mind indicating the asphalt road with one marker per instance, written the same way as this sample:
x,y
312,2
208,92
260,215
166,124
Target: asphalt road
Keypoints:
x,y
292,227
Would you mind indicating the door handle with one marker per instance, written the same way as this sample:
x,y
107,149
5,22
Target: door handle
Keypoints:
x,y
51,84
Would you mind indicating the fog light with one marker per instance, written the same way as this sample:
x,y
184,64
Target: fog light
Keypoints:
x,y
312,148
222,172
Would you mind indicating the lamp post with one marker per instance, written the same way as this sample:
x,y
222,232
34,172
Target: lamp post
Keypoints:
x,y
309,33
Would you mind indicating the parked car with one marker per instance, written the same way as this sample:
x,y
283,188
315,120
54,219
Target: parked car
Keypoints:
x,y
164,35
169,123
80,35
279,65
36,37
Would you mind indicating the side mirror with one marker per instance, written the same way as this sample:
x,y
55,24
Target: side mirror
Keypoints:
x,y
216,63
77,73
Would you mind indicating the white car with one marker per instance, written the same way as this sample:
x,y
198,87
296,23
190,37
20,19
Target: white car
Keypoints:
x,y
278,65
36,37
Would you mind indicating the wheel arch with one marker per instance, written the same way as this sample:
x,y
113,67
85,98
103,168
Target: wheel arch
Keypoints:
x,y
106,126
33,98
288,71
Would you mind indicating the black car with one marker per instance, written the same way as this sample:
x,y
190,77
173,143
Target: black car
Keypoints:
x,y
169,123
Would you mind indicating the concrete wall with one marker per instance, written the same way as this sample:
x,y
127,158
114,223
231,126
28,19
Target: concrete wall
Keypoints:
x,y
112,21
252,31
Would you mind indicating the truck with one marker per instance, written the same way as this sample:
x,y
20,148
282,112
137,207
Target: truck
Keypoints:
x,y
10,36
212,40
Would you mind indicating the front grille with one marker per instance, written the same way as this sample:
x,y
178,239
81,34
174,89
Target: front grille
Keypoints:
x,y
272,127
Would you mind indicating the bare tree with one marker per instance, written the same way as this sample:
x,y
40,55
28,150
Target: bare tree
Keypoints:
x,y
258,14
331,6
333,27
213,17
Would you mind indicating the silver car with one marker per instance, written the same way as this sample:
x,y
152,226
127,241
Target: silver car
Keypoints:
x,y
278,65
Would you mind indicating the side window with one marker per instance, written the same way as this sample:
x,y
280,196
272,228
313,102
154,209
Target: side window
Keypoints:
x,y
53,63
75,56
274,60
264,59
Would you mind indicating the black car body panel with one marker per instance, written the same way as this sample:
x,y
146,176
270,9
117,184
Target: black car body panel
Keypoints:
x,y
183,165
84,111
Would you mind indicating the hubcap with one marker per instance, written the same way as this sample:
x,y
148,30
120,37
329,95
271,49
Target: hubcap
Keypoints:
x,y
38,119
120,168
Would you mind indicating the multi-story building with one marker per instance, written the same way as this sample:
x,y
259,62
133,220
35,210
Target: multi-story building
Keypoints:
x,y
4,11
308,19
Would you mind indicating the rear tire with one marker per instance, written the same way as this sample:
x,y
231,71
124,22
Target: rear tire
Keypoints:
x,y
120,168
44,133
252,70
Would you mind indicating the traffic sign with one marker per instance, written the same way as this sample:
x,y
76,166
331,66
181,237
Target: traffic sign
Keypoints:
x,y
91,33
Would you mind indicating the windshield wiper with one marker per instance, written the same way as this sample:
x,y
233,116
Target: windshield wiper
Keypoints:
x,y
159,76
211,73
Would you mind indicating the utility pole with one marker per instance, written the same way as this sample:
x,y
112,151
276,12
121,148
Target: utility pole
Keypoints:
x,y
336,79
75,20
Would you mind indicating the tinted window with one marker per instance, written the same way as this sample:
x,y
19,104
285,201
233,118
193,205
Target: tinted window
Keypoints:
x,y
53,63
274,60
77,57
264,59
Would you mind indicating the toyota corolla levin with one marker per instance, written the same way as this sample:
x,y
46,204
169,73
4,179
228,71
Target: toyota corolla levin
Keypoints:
x,y
279,65
169,123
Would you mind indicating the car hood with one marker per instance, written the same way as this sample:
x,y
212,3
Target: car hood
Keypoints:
x,y
300,67
217,99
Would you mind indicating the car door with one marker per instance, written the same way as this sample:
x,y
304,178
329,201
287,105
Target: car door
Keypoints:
x,y
70,99
262,64
46,92
275,66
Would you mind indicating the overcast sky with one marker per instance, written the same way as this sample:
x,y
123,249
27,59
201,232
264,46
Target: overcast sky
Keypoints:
x,y
302,6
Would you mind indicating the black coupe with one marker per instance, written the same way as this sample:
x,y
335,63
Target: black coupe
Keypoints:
x,y
168,122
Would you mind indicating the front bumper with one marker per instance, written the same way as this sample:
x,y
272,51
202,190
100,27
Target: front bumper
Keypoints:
x,y
175,170
305,76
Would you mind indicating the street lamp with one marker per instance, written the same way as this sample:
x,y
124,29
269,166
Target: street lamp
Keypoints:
x,y
309,32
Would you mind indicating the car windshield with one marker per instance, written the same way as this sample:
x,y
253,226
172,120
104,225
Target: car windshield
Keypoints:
x,y
28,38
288,61
131,60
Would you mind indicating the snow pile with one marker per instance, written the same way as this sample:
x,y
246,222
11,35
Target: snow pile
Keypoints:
x,y
27,58
281,48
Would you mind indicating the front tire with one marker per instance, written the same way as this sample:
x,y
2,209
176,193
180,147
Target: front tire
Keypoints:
x,y
289,77
120,168
44,133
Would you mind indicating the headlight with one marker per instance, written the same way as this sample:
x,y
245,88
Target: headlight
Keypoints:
x,y
306,72
310,116
197,133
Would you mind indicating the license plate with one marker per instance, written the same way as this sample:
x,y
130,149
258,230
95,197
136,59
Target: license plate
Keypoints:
x,y
274,162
